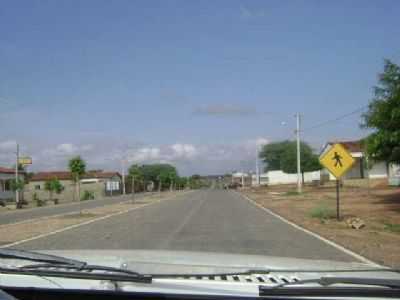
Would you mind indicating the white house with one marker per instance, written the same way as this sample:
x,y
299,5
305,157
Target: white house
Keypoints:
x,y
7,176
280,177
360,168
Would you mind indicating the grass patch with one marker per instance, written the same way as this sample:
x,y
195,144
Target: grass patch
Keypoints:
x,y
391,227
322,212
292,193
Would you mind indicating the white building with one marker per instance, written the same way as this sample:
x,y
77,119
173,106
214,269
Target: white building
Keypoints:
x,y
360,168
280,177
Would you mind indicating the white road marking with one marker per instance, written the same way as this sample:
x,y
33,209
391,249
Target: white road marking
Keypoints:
x,y
329,242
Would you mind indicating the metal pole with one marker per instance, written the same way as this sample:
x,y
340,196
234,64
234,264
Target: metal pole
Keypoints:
x,y
337,200
123,177
133,189
16,178
257,169
299,183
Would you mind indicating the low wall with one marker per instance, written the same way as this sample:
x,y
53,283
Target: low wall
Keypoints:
x,y
67,195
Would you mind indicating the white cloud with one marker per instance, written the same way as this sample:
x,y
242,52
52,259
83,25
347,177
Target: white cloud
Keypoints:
x,y
67,149
261,141
186,151
8,145
144,154
188,158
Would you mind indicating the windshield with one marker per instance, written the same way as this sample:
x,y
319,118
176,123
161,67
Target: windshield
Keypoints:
x,y
214,135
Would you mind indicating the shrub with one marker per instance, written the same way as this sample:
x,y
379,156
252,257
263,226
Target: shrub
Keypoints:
x,y
88,195
292,193
323,213
39,202
392,227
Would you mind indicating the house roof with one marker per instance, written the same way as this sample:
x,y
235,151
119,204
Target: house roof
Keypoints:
x,y
7,170
65,175
351,146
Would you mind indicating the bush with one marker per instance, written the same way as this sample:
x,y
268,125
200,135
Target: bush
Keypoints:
x,y
323,213
392,227
39,202
87,195
292,193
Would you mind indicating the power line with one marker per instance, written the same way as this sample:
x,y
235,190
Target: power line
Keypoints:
x,y
336,119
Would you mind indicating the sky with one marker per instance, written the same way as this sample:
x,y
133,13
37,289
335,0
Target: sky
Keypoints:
x,y
194,83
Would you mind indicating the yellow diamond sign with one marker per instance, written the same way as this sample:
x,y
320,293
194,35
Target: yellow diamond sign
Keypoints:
x,y
337,160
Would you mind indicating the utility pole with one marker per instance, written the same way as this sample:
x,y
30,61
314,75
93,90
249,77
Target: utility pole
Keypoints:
x,y
298,153
257,169
123,176
133,188
16,178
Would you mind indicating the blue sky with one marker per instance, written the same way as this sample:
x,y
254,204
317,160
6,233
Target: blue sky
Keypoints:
x,y
195,83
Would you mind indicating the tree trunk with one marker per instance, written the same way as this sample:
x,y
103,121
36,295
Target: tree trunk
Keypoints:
x,y
302,177
79,197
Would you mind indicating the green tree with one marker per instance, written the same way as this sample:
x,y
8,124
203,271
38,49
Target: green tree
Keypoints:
x,y
135,175
383,117
77,167
271,155
181,182
162,174
17,184
53,186
308,160
195,181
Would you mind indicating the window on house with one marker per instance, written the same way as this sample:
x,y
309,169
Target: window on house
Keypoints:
x,y
7,185
37,187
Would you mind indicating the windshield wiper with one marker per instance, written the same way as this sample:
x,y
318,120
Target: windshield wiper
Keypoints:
x,y
39,257
85,272
371,287
326,281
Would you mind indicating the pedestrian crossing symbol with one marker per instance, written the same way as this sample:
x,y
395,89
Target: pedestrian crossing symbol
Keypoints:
x,y
337,160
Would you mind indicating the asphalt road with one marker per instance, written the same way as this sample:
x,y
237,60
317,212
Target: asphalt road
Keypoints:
x,y
39,212
207,220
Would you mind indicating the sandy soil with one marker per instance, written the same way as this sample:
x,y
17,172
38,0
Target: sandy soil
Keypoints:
x,y
378,207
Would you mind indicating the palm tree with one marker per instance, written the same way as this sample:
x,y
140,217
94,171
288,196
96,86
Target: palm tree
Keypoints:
x,y
77,167
53,185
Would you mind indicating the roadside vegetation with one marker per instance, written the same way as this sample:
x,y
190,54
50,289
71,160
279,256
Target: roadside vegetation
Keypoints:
x,y
53,186
322,213
282,156
370,210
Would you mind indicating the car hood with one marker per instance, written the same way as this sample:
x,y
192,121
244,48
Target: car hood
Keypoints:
x,y
186,262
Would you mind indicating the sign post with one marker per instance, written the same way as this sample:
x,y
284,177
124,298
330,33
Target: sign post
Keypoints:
x,y
338,161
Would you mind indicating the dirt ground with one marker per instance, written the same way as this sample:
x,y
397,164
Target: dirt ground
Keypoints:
x,y
315,209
